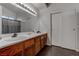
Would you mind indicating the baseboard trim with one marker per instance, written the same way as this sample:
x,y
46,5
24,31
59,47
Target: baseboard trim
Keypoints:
x,y
77,50
48,44
65,48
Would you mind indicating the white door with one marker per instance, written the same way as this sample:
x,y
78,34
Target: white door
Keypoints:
x,y
57,29
64,29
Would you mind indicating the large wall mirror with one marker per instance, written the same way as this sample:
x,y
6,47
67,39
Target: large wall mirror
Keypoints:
x,y
10,26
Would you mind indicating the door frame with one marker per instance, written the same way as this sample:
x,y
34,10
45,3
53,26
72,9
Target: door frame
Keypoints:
x,y
58,12
51,26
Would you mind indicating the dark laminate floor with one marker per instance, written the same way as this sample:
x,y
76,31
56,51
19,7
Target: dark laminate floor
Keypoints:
x,y
57,51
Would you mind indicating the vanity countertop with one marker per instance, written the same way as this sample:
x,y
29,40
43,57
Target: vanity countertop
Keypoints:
x,y
7,41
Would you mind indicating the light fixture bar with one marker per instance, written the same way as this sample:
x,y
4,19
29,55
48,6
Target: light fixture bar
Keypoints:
x,y
25,8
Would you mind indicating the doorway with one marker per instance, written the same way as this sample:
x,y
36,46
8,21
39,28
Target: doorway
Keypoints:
x,y
63,29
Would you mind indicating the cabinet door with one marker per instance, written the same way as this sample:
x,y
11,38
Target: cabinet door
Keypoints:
x,y
42,42
45,37
28,43
29,51
29,47
37,45
12,50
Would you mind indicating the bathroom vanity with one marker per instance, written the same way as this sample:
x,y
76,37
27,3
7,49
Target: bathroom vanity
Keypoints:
x,y
23,45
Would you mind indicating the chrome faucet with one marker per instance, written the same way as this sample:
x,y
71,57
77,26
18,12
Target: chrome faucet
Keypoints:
x,y
14,35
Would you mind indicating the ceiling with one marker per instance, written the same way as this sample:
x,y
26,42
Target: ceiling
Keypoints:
x,y
41,5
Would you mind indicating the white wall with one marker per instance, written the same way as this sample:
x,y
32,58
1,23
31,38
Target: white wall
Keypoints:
x,y
25,26
8,12
45,23
77,42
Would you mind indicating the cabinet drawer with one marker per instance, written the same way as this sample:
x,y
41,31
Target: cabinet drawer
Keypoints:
x,y
28,43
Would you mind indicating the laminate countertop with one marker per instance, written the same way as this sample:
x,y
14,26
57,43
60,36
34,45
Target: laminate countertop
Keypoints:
x,y
7,41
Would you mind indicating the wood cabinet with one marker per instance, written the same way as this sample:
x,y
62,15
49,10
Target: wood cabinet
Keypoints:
x,y
28,47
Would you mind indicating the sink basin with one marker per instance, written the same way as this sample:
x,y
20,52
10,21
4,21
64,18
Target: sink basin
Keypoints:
x,y
18,38
13,38
6,38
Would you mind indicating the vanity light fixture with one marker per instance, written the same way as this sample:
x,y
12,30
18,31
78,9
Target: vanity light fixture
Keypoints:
x,y
6,17
26,8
